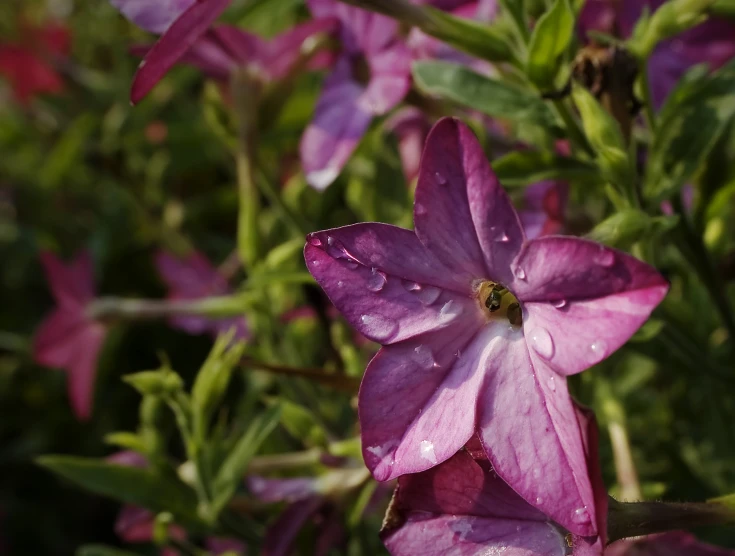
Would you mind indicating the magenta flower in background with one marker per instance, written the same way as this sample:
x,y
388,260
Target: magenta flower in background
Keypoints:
x,y
677,543
68,338
193,277
479,328
462,507
545,204
712,42
371,77
411,126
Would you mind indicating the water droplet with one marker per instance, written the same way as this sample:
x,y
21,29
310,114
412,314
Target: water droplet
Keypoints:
x,y
314,240
314,263
352,265
410,286
419,209
428,294
336,250
520,273
450,311
605,258
423,357
340,284
560,303
463,528
518,528
458,354
598,348
427,451
539,500
503,238
377,281
552,384
441,180
378,327
542,342
581,515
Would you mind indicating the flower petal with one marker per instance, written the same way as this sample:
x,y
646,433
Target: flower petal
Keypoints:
x,y
417,398
285,49
474,536
365,276
582,300
72,283
411,127
529,429
156,16
82,370
390,80
174,43
281,534
676,543
461,213
279,490
338,126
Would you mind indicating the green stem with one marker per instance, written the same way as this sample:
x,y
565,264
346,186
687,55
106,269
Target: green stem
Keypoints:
x,y
576,135
297,226
334,380
648,110
113,308
694,250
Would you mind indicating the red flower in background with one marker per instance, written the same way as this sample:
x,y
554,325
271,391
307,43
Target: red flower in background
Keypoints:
x,y
27,63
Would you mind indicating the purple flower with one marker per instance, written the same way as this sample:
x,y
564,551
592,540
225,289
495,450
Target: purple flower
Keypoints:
x,y
480,328
462,507
411,126
68,338
193,277
677,543
371,76
712,42
543,213
189,37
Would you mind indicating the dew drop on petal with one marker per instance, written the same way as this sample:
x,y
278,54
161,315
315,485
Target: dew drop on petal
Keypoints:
x,y
340,284
314,263
605,258
423,357
552,384
440,179
419,209
598,348
560,303
352,265
542,342
539,500
581,515
378,327
427,451
410,286
428,294
450,311
520,273
314,240
377,281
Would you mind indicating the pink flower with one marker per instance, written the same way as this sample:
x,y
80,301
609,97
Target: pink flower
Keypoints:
x,y
712,42
543,213
462,507
68,338
480,328
371,77
27,64
193,277
411,127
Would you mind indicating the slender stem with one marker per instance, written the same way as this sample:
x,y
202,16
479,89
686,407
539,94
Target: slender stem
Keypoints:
x,y
693,248
106,308
289,217
648,110
292,460
630,489
337,381
633,519
576,135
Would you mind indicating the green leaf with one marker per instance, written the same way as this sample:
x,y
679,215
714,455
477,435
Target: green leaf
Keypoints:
x,y
680,146
233,468
102,550
516,9
155,383
301,424
460,84
521,168
143,487
724,8
628,226
550,39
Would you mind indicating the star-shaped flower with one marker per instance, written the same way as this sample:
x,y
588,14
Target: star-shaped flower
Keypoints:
x,y
68,338
462,507
480,328
193,277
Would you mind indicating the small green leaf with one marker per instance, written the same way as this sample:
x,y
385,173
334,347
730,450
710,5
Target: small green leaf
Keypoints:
x,y
102,550
233,468
301,424
143,487
155,383
679,147
724,8
628,226
462,85
126,440
521,168
550,39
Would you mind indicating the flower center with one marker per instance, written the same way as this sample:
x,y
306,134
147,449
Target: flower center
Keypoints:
x,y
360,69
498,301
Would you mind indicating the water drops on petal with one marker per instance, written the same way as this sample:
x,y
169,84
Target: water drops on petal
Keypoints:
x,y
410,286
520,273
314,240
378,327
426,449
560,303
542,342
581,515
440,179
598,349
419,209
423,357
605,257
428,294
376,281
539,500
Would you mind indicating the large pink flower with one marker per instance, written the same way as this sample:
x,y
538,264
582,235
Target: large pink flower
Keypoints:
x,y
462,507
68,338
193,277
480,327
677,543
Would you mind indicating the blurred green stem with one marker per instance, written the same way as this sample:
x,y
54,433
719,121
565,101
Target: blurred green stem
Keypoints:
x,y
648,109
576,135
114,308
334,380
246,96
627,476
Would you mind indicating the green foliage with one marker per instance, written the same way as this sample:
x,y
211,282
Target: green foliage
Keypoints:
x,y
550,39
522,168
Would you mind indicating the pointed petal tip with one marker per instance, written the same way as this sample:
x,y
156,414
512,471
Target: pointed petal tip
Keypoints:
x,y
321,179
